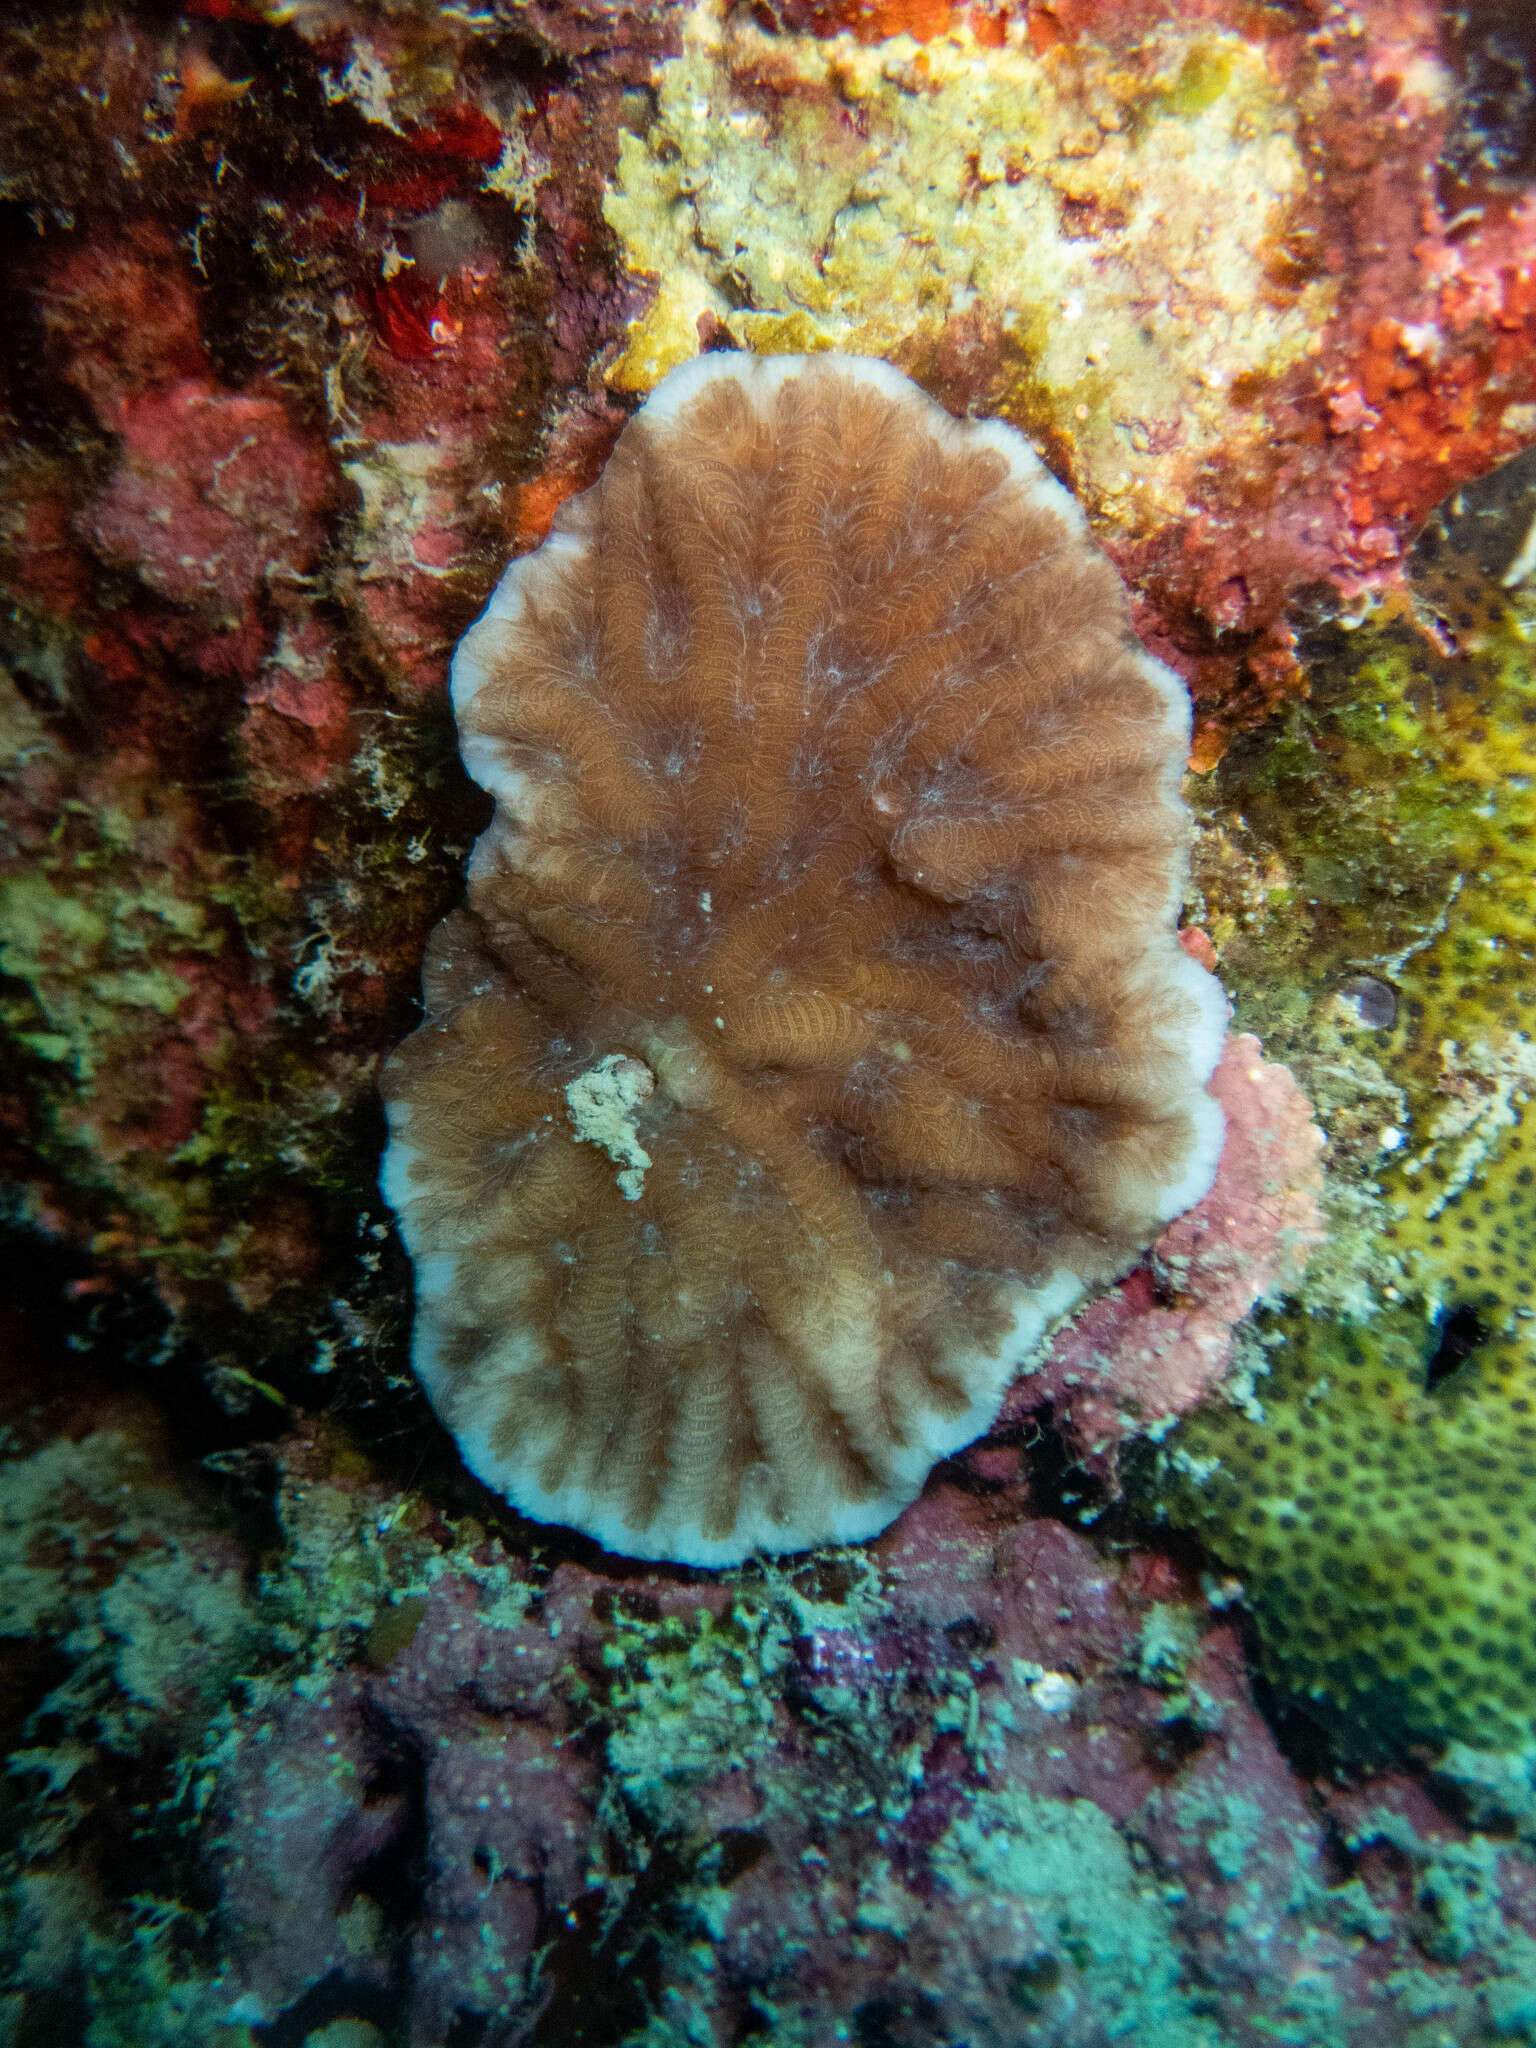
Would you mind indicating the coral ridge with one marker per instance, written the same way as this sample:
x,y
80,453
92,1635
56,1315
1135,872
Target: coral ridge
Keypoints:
x,y
835,800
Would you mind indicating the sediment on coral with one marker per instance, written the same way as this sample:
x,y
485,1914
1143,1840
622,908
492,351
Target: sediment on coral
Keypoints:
x,y
837,807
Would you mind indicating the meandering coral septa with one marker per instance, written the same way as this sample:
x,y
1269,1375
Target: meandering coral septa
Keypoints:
x,y
835,797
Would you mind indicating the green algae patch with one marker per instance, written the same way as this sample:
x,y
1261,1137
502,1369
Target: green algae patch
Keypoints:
x,y
1096,1914
1204,76
1459,1890
692,1699
125,1625
692,1696
101,1551
1388,828
805,193
87,938
138,1989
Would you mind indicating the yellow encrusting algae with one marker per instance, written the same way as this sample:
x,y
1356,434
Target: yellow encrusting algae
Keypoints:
x,y
1127,232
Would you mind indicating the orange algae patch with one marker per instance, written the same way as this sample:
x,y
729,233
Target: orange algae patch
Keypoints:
x,y
1441,399
873,21
536,503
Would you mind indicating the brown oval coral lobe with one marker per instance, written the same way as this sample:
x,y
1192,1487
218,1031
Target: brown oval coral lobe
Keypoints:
x,y
816,1028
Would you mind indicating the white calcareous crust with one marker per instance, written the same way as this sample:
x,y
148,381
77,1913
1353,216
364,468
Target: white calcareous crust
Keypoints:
x,y
816,1028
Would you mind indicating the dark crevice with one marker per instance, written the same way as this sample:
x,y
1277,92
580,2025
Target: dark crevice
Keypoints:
x,y
336,1998
900,2019
1301,1739
52,2018
1456,1334
605,1986
1491,143
395,1876
1059,1484
34,399
1169,1745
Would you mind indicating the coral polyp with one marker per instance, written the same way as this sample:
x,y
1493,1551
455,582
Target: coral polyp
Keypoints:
x,y
837,808
1382,1528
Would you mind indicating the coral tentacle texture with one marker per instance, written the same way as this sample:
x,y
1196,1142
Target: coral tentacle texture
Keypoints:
x,y
816,1028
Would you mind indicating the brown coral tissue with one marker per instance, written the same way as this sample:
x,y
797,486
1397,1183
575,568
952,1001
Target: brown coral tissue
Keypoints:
x,y
816,1028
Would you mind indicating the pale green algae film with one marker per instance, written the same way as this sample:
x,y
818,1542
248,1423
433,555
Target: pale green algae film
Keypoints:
x,y
1042,198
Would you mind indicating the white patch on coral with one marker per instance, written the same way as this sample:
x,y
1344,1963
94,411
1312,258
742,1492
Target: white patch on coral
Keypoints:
x,y
471,1410
602,1102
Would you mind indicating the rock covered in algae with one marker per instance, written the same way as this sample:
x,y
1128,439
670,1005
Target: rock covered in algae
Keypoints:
x,y
1374,1482
976,1779
470,1783
1185,250
417,325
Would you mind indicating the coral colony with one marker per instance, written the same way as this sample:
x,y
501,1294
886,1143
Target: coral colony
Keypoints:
x,y
830,895
945,1496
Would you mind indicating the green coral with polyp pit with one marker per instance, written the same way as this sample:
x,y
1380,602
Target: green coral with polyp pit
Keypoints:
x,y
1383,1529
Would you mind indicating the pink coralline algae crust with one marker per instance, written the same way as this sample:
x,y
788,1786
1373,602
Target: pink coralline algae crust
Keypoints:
x,y
415,460
507,1813
298,734
1423,378
1425,374
123,317
1162,1340
215,499
309,292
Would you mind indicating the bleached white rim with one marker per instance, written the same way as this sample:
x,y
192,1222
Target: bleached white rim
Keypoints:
x,y
1036,1312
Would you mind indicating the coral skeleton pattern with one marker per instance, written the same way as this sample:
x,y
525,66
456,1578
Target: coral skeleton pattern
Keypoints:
x,y
816,1028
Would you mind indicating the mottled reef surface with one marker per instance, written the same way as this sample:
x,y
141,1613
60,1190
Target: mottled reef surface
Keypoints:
x,y
1194,1706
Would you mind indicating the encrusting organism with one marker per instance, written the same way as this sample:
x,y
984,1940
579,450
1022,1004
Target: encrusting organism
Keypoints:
x,y
816,1028
1381,1525
1373,1480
